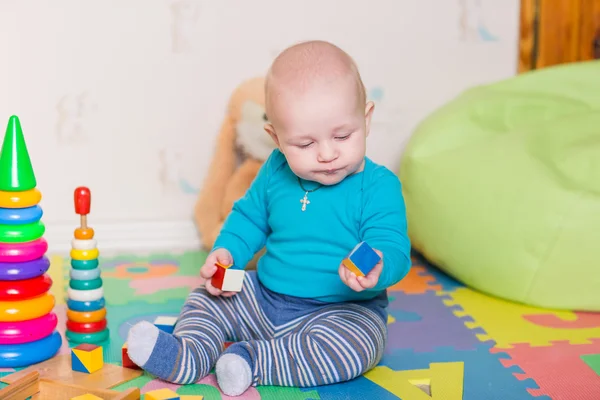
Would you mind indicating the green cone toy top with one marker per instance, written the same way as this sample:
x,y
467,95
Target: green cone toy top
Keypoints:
x,y
16,172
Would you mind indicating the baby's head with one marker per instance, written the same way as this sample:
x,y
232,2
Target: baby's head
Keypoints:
x,y
317,111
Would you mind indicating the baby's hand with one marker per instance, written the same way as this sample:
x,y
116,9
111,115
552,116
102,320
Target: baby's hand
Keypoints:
x,y
360,283
222,256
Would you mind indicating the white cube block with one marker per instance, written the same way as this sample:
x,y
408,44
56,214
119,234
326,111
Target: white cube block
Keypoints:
x,y
233,281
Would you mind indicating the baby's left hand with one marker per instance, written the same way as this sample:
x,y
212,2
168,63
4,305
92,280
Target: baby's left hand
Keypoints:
x,y
360,283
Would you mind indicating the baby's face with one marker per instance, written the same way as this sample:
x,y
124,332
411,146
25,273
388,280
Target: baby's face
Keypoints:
x,y
322,132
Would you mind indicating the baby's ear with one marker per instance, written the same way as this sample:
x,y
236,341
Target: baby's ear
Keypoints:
x,y
271,131
370,107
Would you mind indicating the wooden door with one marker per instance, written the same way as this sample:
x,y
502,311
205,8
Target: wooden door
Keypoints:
x,y
558,31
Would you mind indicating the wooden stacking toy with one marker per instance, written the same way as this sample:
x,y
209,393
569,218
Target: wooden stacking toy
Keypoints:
x,y
86,308
27,322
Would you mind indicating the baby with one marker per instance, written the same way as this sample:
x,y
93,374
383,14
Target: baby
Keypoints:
x,y
302,319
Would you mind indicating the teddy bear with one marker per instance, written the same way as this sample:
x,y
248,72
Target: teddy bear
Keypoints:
x,y
242,146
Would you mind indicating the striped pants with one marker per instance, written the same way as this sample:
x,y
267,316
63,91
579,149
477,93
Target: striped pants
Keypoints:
x,y
294,342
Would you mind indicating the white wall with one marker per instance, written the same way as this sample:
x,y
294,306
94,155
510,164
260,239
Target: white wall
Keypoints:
x,y
145,82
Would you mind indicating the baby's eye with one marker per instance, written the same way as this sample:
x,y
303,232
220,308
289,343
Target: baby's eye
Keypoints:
x,y
265,117
343,137
304,146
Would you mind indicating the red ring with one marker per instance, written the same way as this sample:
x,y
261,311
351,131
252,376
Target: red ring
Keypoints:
x,y
86,327
25,289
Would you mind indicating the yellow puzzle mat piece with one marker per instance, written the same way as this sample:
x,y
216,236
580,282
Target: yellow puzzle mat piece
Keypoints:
x,y
503,321
445,381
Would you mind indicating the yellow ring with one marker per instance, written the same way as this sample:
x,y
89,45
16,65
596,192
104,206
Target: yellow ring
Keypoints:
x,y
84,255
26,198
86,316
22,310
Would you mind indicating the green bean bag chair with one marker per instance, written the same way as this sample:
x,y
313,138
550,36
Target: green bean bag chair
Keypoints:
x,y
502,187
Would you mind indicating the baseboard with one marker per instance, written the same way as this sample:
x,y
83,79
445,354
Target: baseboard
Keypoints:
x,y
129,237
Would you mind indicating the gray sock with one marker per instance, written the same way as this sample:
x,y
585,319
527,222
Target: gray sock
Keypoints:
x,y
233,374
141,340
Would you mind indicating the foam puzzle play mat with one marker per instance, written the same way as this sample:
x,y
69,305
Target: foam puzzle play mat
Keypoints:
x,y
445,341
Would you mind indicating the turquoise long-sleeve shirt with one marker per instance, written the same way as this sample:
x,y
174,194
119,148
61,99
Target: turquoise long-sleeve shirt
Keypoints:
x,y
304,249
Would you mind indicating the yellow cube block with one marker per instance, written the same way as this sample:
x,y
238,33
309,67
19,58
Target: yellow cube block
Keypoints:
x,y
161,394
86,397
87,358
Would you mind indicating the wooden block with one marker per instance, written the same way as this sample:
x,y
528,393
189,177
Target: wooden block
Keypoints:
x,y
87,358
161,394
361,259
228,279
51,390
166,324
58,369
125,360
87,396
190,397
22,388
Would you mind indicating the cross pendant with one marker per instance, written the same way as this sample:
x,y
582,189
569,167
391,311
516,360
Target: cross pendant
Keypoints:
x,y
304,201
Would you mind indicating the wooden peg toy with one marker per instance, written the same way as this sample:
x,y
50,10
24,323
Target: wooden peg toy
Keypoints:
x,y
362,259
228,278
162,394
83,201
87,358
165,323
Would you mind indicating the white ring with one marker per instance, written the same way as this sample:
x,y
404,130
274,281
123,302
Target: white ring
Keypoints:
x,y
85,295
84,274
83,244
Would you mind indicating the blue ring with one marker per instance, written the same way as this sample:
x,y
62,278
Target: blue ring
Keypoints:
x,y
84,264
19,216
25,354
93,305
84,274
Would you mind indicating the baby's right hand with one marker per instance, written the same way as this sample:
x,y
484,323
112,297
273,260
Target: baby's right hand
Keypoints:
x,y
222,256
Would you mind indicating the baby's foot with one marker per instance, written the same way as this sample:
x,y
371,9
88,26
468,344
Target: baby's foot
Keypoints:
x,y
233,371
160,354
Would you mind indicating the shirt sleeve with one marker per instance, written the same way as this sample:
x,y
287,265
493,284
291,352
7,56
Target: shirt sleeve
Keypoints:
x,y
245,229
384,227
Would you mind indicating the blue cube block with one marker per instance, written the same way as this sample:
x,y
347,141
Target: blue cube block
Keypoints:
x,y
362,259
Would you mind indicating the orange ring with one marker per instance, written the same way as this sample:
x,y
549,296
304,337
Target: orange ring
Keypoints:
x,y
21,310
86,316
84,233
23,199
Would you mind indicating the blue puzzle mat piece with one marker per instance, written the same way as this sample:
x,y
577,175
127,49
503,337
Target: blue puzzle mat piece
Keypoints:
x,y
448,283
359,388
484,375
404,316
437,326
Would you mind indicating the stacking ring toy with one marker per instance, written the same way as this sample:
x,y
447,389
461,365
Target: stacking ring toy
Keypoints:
x,y
85,295
24,199
84,233
22,310
84,254
87,337
84,264
85,306
84,244
84,274
24,289
25,354
20,252
86,327
14,216
85,285
86,316
12,271
22,233
27,331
